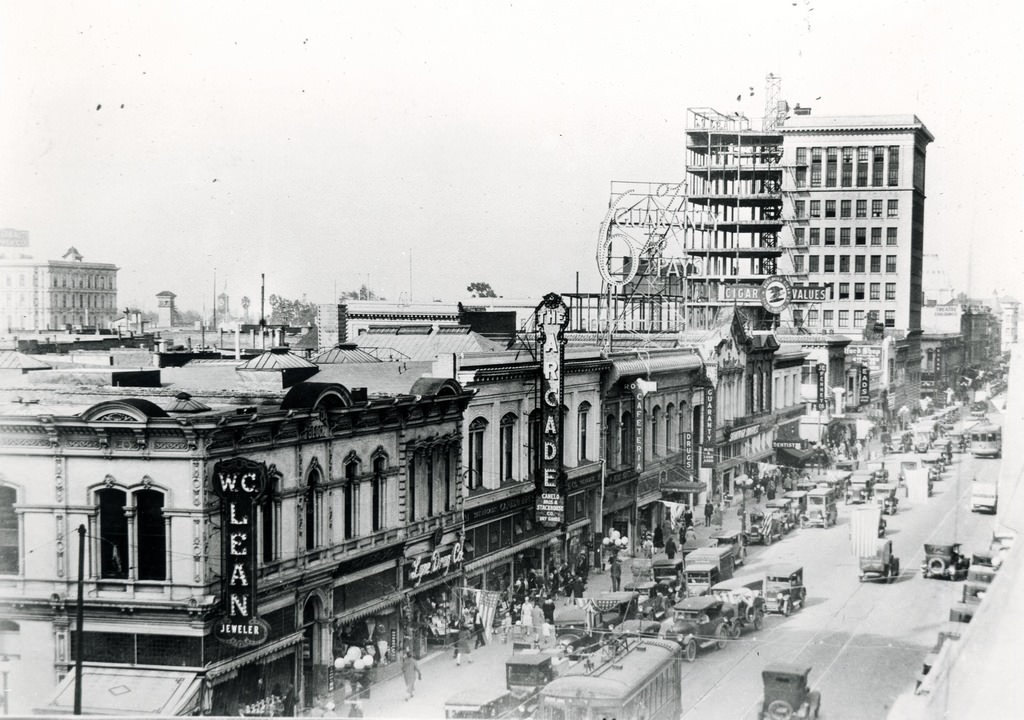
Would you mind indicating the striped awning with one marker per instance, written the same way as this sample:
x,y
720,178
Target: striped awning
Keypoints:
x,y
367,609
268,652
491,559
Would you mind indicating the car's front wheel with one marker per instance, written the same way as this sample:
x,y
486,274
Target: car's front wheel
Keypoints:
x,y
785,607
690,650
722,633
758,620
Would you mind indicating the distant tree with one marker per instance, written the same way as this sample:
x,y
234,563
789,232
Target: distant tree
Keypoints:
x,y
245,307
291,312
481,290
363,293
187,317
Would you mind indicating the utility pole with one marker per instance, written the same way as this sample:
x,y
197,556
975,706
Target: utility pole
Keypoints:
x,y
79,612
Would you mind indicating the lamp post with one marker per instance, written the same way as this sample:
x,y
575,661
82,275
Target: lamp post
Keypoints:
x,y
79,620
5,667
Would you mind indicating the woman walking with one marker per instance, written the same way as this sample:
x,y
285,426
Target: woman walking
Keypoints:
x,y
410,671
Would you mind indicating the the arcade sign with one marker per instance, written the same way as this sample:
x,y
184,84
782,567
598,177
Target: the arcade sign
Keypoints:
x,y
552,317
239,483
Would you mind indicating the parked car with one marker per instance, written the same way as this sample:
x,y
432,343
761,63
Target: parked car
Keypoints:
x,y
784,589
763,528
882,565
944,561
744,602
821,508
787,693
732,539
698,622
799,498
885,496
783,509
668,571
478,702
859,489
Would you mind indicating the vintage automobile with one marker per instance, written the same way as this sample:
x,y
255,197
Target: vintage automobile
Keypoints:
x,y
477,701
580,629
698,622
525,674
731,539
962,612
950,632
700,577
885,496
821,508
783,509
784,589
763,528
944,561
882,565
799,499
979,577
859,489
744,602
668,571
787,694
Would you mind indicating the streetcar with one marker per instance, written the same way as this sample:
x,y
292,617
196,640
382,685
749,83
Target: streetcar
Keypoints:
x,y
986,441
632,679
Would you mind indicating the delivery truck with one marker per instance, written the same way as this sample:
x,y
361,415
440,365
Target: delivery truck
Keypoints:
x,y
864,524
984,496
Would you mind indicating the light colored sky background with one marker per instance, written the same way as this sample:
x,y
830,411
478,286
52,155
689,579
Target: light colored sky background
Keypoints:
x,y
321,143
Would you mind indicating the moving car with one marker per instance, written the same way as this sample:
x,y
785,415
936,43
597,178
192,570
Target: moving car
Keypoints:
x,y
763,528
787,694
984,496
784,589
698,622
883,565
783,509
821,508
944,561
475,701
885,496
744,602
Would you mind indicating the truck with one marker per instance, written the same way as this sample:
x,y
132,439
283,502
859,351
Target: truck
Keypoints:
x,y
881,564
984,496
919,485
864,524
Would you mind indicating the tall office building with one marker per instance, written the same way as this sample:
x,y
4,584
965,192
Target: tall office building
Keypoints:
x,y
854,198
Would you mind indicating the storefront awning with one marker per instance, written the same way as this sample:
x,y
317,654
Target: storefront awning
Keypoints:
x,y
373,608
267,652
127,691
491,559
793,457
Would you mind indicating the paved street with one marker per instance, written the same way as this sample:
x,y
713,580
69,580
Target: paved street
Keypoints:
x,y
865,642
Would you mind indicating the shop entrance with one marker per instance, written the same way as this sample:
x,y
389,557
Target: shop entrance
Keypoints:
x,y
314,671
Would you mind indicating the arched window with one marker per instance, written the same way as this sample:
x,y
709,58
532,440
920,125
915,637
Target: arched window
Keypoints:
x,y
349,498
113,533
671,432
270,520
611,441
151,557
626,443
477,436
534,442
656,422
9,537
429,458
582,422
449,474
313,494
380,465
410,492
507,447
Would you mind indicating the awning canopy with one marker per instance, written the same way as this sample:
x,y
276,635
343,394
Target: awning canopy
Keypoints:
x,y
794,457
127,691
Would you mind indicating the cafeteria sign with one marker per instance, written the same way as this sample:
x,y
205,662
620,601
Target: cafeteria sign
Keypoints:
x,y
239,483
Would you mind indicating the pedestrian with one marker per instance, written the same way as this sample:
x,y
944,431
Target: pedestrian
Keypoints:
x,y
410,671
526,614
687,521
462,646
616,573
670,548
709,510
578,587
506,626
659,538
537,621
583,566
289,700
478,628
548,606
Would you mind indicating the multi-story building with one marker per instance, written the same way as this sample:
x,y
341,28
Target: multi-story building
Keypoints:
x,y
55,294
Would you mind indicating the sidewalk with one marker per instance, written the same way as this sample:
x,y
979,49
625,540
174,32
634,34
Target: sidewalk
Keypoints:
x,y
443,679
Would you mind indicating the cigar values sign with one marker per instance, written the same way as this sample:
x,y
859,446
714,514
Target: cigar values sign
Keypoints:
x,y
239,483
552,316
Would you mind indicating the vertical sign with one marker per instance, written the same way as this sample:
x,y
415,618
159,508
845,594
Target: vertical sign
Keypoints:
x,y
239,484
688,453
865,385
938,362
552,316
822,404
638,430
707,454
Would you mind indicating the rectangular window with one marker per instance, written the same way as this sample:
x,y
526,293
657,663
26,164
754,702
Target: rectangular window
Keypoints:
x,y
890,291
876,263
858,318
844,263
894,165
876,236
862,167
875,291
506,449
858,263
847,177
827,318
812,317
830,236
816,208
812,264
858,291
890,263
892,208
844,318
845,208
830,208
844,236
801,156
798,263
831,165
862,236
877,166
844,291
862,208
798,317
890,236
801,177
815,236
799,208
890,318
830,263
799,236
876,208
816,167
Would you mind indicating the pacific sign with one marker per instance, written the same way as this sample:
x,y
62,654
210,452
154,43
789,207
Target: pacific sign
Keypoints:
x,y
239,483
552,316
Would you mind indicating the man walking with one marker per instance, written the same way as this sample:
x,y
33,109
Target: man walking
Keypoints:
x,y
616,573
410,671
709,510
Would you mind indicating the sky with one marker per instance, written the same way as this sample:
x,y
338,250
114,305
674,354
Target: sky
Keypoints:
x,y
418,147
